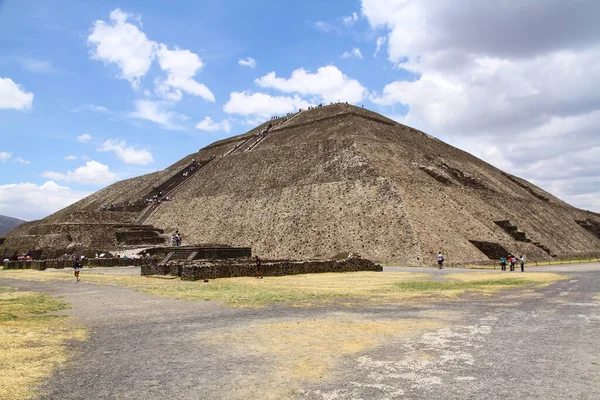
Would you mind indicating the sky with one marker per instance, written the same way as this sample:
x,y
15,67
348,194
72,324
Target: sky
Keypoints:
x,y
95,92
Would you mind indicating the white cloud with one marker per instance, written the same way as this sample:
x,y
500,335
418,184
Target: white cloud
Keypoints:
x,y
128,155
22,161
354,53
380,42
38,66
181,66
350,19
13,96
504,73
92,172
207,124
30,201
339,25
157,112
328,82
262,105
324,26
123,43
86,137
4,156
90,107
248,62
70,157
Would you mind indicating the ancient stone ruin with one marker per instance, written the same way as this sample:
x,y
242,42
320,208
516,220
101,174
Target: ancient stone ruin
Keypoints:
x,y
330,180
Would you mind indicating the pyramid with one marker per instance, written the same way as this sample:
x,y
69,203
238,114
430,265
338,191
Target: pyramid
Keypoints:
x,y
319,184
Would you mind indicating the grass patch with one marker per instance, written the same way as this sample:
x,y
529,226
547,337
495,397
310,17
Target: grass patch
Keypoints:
x,y
32,343
310,289
429,286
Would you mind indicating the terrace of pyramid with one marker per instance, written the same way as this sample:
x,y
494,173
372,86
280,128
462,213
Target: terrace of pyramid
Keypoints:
x,y
322,182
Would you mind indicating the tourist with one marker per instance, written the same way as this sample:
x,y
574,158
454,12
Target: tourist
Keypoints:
x,y
513,262
522,260
77,267
259,273
440,260
503,263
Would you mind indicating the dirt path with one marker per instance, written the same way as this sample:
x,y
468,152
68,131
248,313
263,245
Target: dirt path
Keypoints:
x,y
512,345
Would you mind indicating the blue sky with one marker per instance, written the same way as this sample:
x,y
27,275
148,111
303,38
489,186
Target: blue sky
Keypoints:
x,y
94,92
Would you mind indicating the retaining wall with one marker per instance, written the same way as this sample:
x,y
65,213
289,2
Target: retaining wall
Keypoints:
x,y
97,262
224,269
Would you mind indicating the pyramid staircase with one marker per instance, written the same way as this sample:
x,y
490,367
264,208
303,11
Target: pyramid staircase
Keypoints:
x,y
169,186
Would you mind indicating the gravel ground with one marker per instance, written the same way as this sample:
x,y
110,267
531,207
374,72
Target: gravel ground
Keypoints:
x,y
513,345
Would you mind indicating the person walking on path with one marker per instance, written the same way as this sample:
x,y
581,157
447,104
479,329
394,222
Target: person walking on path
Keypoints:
x,y
522,260
259,273
503,263
77,267
440,260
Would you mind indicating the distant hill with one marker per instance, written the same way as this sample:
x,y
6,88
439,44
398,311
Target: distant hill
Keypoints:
x,y
8,223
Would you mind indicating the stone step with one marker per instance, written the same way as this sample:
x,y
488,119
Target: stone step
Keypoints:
x,y
167,258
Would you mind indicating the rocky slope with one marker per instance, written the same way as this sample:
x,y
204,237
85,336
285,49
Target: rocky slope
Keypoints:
x,y
332,180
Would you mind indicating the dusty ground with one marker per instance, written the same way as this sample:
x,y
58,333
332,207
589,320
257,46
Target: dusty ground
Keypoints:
x,y
516,344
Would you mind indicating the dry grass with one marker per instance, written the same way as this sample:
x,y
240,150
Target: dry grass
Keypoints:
x,y
303,290
32,343
298,352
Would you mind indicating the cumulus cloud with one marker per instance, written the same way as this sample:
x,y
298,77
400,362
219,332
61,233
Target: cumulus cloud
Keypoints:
x,y
92,172
354,53
71,157
262,105
207,124
329,83
4,156
122,42
517,76
30,201
157,112
129,155
86,137
248,62
13,96
181,66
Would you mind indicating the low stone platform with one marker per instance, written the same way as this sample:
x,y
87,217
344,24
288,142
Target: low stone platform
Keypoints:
x,y
200,252
228,269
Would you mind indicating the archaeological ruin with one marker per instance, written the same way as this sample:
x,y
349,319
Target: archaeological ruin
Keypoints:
x,y
331,180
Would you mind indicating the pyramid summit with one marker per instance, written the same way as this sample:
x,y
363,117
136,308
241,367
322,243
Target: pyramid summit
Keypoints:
x,y
318,183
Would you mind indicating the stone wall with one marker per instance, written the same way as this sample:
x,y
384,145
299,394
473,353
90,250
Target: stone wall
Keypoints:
x,y
225,269
97,262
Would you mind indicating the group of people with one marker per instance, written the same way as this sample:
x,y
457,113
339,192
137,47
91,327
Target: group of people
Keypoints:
x,y
512,261
176,239
264,132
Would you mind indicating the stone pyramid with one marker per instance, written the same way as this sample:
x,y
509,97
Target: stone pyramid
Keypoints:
x,y
322,183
